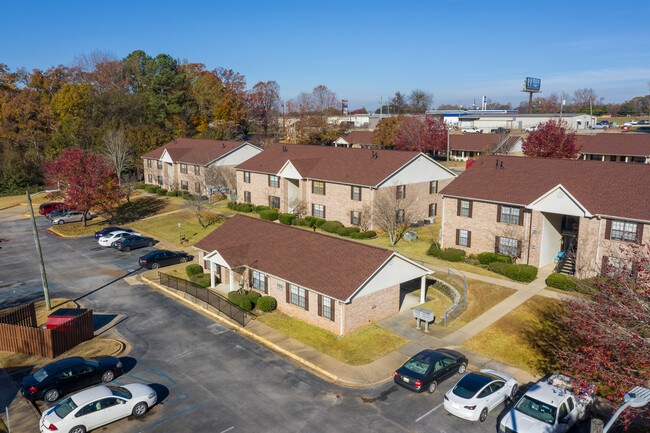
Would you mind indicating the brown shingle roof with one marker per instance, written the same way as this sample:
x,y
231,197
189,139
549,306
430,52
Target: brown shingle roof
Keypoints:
x,y
627,144
337,164
194,151
603,188
359,137
475,142
329,265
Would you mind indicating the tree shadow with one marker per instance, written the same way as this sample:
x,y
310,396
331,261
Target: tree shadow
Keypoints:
x,y
137,209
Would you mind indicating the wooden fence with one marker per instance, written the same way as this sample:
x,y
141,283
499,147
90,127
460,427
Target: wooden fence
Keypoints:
x,y
29,340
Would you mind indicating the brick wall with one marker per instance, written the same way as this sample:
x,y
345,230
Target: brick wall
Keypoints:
x,y
360,311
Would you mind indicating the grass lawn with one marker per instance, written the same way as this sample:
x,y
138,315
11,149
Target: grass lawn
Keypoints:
x,y
359,348
15,200
166,227
482,297
439,301
517,338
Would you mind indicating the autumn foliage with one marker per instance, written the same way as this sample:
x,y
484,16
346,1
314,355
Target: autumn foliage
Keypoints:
x,y
551,140
424,135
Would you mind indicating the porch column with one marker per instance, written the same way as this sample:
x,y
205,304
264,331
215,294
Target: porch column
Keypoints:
x,y
232,280
423,288
211,274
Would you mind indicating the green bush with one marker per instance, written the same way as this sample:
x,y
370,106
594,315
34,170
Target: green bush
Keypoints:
x,y
202,280
525,273
192,270
244,207
253,296
347,231
245,300
269,214
562,281
449,254
259,209
434,249
332,226
161,191
318,222
487,258
310,219
139,186
363,235
173,193
152,188
267,304
286,218
231,205
246,305
185,194
235,297
301,222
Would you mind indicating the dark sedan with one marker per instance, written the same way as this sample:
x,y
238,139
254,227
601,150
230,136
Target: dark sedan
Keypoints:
x,y
132,242
428,368
157,259
107,230
67,375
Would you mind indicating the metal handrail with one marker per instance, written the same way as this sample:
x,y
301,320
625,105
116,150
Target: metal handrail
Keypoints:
x,y
568,252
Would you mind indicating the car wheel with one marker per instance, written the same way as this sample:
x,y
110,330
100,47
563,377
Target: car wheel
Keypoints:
x,y
150,244
59,222
78,429
108,376
432,387
155,266
484,413
127,249
140,409
462,368
513,392
52,395
183,259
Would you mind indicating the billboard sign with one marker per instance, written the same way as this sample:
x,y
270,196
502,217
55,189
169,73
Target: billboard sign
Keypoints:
x,y
344,106
532,84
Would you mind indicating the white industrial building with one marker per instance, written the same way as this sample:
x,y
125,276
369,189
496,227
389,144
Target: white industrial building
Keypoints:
x,y
488,120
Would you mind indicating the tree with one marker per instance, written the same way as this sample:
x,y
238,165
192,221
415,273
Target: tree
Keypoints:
x,y
420,101
427,135
264,103
398,104
392,211
118,151
86,181
551,140
386,131
361,110
583,98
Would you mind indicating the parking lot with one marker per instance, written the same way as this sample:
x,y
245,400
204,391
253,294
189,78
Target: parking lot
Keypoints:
x,y
208,377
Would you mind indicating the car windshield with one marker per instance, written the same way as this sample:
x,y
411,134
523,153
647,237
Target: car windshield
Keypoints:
x,y
119,391
537,409
419,367
65,407
469,385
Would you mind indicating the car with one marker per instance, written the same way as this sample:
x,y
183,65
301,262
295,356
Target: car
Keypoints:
x,y
107,240
160,258
98,406
427,369
46,208
531,128
604,123
644,122
56,213
107,230
472,130
597,126
476,394
630,123
71,217
132,242
70,374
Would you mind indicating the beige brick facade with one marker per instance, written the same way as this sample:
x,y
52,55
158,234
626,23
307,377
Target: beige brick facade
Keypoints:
x,y
173,177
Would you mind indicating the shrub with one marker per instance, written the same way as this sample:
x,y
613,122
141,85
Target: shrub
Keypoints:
x,y
449,254
246,305
434,249
139,186
211,217
363,235
244,207
185,194
269,214
310,219
562,281
193,269
331,226
260,208
173,193
235,297
231,205
318,222
161,191
301,222
487,258
525,273
152,188
267,304
286,218
202,280
245,300
347,231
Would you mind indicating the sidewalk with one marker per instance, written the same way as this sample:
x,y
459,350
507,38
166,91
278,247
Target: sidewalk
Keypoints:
x,y
23,416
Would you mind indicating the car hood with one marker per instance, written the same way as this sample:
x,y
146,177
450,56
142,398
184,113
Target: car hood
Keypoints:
x,y
522,423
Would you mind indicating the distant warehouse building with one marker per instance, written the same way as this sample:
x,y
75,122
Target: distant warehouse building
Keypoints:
x,y
489,120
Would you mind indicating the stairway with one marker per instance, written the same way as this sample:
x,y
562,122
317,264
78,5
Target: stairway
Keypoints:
x,y
568,266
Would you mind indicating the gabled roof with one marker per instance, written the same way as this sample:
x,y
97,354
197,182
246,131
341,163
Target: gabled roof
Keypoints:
x,y
359,137
604,188
194,151
335,164
628,144
332,266
477,142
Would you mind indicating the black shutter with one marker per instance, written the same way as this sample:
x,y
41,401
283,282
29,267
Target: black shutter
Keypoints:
x,y
269,179
469,239
458,207
306,300
324,214
403,191
639,233
250,278
320,305
351,193
521,216
457,236
312,208
498,213
471,206
266,284
312,186
608,229
436,189
324,188
497,242
332,308
518,249
287,288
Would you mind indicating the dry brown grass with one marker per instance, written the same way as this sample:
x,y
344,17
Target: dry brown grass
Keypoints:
x,y
482,296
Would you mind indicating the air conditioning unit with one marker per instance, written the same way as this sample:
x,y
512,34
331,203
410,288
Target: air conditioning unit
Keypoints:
x,y
431,220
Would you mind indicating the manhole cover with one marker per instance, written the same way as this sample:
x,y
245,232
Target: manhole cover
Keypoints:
x,y
217,329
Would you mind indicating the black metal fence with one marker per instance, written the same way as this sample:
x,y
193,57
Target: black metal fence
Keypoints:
x,y
206,296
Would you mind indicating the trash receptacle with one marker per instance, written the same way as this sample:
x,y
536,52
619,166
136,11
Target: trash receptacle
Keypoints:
x,y
62,315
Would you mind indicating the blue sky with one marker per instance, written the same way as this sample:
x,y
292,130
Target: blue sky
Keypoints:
x,y
457,50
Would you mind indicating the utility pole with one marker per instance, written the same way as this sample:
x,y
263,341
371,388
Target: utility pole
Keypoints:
x,y
381,106
46,291
447,147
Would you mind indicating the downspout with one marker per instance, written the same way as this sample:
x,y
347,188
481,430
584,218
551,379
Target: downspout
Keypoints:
x,y
530,235
372,208
600,225
442,224
526,224
342,319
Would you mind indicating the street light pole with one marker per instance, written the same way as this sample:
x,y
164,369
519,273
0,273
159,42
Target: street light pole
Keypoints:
x,y
637,397
46,290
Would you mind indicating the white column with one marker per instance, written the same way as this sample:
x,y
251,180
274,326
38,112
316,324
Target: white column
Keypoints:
x,y
423,289
211,274
232,280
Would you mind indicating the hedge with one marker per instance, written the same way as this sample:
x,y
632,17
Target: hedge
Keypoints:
x,y
364,235
246,300
318,222
301,222
269,214
201,279
161,191
185,194
310,219
525,273
347,231
152,188
260,208
172,193
267,304
244,207
139,186
449,254
331,226
487,258
231,205
562,281
192,270
286,218
246,305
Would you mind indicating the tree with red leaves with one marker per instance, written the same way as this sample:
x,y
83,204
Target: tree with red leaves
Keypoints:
x,y
85,180
426,135
608,331
551,140
264,103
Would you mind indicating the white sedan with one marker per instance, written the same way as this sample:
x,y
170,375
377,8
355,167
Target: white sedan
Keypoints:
x,y
108,239
96,407
472,130
476,394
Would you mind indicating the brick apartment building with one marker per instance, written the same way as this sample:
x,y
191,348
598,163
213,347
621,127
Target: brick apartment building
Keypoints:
x,y
537,207
337,284
471,146
181,164
623,147
338,183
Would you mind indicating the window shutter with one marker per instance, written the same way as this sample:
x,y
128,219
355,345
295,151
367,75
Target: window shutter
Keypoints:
x,y
603,269
324,214
608,229
521,216
266,284
312,208
499,213
287,288
469,239
250,277
324,186
518,248
312,186
458,207
269,179
351,217
360,193
320,305
471,206
333,308
306,300
351,193
639,232
497,242
436,189
457,236
404,191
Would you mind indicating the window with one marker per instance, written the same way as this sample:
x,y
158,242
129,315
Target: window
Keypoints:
x,y
400,191
318,187
318,210
297,296
508,246
639,159
563,412
160,180
149,163
159,165
356,193
570,402
624,231
326,307
247,196
465,208
509,215
355,218
432,210
259,281
184,185
150,178
274,181
433,187
197,170
463,237
399,216
247,176
197,187
596,157
184,168
274,202
618,267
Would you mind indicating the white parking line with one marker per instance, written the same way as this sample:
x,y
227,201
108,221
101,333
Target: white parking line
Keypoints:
x,y
428,412
228,429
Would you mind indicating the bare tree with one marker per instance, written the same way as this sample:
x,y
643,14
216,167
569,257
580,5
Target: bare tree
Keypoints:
x,y
197,202
298,207
130,181
220,176
118,150
420,101
393,212
365,218
515,232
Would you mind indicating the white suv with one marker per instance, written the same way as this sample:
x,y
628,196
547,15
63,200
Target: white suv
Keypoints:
x,y
472,130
